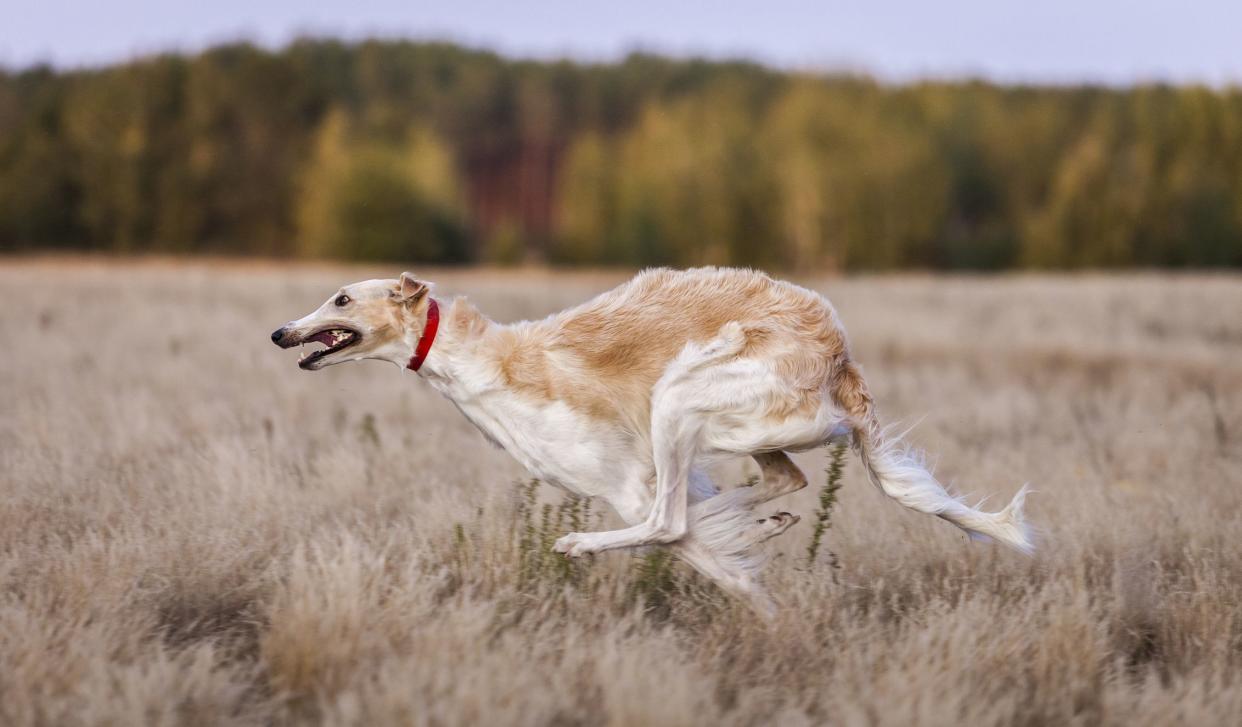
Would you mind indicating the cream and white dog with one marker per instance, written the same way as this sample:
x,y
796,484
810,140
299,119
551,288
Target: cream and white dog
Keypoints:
x,y
629,396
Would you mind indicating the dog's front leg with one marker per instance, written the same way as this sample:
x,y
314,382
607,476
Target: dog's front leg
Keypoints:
x,y
675,439
695,388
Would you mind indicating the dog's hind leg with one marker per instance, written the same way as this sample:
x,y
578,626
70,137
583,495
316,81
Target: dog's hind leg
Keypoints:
x,y
780,477
726,552
740,582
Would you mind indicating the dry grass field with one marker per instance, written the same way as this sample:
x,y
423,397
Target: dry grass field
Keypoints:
x,y
193,531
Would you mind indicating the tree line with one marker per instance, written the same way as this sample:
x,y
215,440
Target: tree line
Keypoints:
x,y
430,152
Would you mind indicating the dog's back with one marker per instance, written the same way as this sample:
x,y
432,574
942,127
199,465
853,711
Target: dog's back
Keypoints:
x,y
606,355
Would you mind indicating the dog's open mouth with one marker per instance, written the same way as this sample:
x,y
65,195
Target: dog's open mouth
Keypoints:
x,y
335,339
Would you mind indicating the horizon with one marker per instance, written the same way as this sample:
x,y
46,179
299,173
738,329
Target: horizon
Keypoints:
x,y
1109,44
826,71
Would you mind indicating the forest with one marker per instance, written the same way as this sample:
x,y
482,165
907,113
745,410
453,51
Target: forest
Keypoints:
x,y
437,153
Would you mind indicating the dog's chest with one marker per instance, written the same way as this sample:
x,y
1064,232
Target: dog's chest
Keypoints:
x,y
556,443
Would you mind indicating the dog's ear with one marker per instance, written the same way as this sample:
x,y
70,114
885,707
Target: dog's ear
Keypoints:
x,y
410,289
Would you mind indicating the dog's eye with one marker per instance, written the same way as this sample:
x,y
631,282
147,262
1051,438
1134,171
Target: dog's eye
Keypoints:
x,y
342,301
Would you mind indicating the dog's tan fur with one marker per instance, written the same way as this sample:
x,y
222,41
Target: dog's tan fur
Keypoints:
x,y
605,356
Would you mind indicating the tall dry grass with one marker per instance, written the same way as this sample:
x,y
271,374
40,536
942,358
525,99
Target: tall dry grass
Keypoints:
x,y
192,531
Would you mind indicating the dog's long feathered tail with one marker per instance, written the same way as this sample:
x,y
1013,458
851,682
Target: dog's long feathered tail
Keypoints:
x,y
902,475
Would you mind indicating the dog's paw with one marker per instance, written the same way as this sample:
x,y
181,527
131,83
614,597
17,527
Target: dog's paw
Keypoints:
x,y
574,545
770,527
786,519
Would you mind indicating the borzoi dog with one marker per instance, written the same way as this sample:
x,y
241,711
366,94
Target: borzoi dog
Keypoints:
x,y
629,396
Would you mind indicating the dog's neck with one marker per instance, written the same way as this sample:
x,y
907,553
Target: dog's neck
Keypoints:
x,y
428,337
462,329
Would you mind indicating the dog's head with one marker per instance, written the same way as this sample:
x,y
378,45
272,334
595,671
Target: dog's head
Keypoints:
x,y
372,319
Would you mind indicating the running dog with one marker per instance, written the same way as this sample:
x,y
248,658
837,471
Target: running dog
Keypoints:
x,y
629,396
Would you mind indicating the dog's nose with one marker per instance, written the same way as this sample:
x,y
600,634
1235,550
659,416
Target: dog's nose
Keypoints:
x,y
278,334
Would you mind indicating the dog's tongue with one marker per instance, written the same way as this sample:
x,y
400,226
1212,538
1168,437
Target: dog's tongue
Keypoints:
x,y
324,337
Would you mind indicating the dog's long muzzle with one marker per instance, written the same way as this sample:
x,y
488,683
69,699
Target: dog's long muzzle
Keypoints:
x,y
281,338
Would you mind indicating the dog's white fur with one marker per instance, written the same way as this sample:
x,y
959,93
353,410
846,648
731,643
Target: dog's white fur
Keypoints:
x,y
629,396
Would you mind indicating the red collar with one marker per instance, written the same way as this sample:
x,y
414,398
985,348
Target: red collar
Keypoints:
x,y
429,336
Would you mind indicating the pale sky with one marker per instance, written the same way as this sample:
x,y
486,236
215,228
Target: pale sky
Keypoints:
x,y
1109,41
